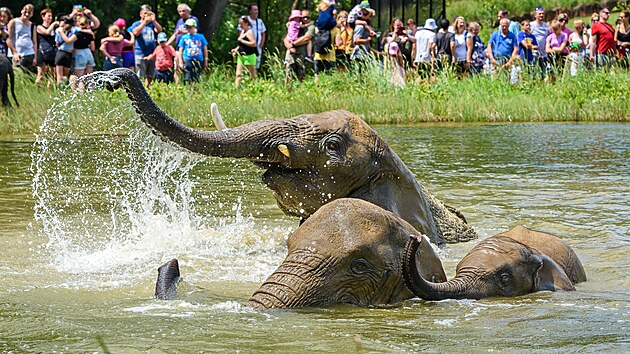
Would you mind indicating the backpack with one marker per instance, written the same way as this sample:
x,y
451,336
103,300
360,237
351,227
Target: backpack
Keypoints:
x,y
322,42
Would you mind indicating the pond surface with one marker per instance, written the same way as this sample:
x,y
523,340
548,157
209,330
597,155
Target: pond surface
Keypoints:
x,y
87,219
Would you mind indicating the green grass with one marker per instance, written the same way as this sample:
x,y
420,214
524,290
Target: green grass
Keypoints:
x,y
591,96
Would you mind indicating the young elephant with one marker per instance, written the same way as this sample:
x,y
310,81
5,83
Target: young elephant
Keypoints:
x,y
349,252
513,263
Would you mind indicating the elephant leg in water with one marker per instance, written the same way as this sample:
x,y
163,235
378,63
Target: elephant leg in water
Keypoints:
x,y
349,252
310,160
517,262
7,77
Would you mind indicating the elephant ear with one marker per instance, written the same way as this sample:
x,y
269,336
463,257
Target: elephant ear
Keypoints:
x,y
551,277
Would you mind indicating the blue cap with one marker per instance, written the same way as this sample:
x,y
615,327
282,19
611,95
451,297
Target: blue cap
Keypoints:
x,y
162,37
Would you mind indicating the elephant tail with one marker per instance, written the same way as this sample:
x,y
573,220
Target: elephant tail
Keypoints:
x,y
168,277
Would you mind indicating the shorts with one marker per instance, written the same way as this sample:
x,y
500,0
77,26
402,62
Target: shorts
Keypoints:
x,y
145,68
108,65
247,60
83,58
128,59
165,76
323,66
63,58
295,65
26,62
47,58
192,69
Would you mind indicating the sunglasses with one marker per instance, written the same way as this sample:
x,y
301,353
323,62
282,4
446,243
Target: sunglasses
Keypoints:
x,y
562,20
606,12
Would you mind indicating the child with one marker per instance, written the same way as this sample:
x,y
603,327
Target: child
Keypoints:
x,y
193,49
327,11
359,15
294,25
396,61
112,48
163,55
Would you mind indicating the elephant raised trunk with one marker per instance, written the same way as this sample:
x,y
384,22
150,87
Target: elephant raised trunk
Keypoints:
x,y
251,141
455,288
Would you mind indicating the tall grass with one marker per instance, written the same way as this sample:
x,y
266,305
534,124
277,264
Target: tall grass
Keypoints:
x,y
590,96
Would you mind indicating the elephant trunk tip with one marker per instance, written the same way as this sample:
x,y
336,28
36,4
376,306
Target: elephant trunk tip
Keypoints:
x,y
168,277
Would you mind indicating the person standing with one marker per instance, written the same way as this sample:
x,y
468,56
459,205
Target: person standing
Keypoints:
x,y
180,29
424,48
540,30
245,52
47,47
22,39
145,31
603,40
5,17
622,37
513,27
503,46
192,52
527,44
260,31
477,52
164,55
444,55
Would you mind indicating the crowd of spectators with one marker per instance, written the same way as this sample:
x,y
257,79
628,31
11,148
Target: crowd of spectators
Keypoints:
x,y
63,46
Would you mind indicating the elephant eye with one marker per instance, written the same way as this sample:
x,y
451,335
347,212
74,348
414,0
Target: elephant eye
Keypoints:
x,y
360,266
332,145
505,278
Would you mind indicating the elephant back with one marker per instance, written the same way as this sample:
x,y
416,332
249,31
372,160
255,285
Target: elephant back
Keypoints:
x,y
553,247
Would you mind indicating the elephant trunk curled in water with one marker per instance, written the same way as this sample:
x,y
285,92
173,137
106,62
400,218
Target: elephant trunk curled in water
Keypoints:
x,y
349,252
513,263
310,160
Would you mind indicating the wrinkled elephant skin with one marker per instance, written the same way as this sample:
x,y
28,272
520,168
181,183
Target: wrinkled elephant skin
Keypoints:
x,y
513,263
310,160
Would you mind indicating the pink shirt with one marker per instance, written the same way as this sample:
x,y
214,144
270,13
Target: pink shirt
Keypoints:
x,y
115,49
164,57
556,41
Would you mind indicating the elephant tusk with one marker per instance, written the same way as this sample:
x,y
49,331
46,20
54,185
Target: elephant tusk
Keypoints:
x,y
216,117
284,150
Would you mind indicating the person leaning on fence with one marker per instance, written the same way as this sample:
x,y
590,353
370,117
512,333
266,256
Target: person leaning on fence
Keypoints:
x,y
603,49
503,47
424,48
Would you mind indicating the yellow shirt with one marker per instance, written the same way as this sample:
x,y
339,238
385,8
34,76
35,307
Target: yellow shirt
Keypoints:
x,y
330,56
346,39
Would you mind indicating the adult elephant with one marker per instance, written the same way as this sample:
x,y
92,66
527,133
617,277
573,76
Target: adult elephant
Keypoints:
x,y
513,263
349,252
311,160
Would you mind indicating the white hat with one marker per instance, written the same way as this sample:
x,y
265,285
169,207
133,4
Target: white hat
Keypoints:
x,y
430,24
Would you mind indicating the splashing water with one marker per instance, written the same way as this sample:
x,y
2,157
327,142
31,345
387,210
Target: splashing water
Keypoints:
x,y
116,205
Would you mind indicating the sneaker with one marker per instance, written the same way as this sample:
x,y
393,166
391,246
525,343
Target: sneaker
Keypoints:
x,y
309,59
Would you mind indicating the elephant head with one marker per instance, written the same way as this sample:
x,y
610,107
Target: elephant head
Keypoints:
x,y
310,160
349,251
517,262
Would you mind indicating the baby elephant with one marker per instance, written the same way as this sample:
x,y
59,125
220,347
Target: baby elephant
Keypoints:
x,y
513,263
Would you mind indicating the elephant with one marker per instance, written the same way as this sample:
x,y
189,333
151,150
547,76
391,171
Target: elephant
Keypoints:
x,y
7,77
348,252
513,263
310,160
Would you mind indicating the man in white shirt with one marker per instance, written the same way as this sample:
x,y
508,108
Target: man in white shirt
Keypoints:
x,y
259,29
424,48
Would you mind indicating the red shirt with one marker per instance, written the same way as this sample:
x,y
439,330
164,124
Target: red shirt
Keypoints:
x,y
164,57
605,37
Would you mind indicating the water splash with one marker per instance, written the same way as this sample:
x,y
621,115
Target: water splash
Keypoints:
x,y
115,205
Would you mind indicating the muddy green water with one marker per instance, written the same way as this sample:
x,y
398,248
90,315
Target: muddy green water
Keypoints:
x,y
85,221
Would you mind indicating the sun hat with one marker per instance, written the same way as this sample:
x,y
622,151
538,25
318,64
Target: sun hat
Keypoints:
x,y
430,24
295,14
162,37
365,5
393,48
120,23
190,22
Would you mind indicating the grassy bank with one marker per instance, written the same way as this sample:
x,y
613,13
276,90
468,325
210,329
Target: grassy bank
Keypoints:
x,y
592,96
